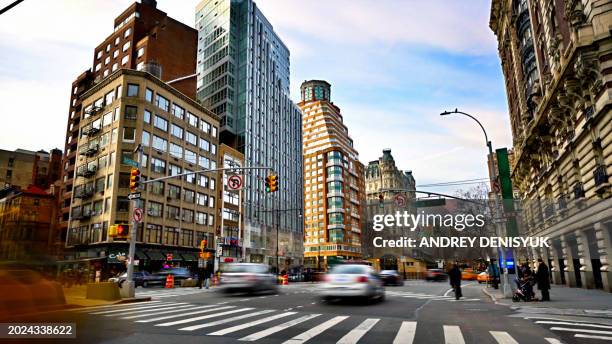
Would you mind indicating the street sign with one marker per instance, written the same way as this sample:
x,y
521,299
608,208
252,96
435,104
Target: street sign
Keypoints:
x,y
137,214
133,196
127,161
234,182
219,251
400,200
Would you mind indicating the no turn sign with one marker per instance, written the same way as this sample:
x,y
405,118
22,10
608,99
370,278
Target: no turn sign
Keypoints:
x,y
137,214
234,182
400,200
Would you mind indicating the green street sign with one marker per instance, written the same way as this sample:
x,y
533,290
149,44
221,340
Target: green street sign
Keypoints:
x,y
128,161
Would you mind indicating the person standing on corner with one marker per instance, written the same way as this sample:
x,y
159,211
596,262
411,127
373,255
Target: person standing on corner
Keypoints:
x,y
207,275
201,275
543,279
454,275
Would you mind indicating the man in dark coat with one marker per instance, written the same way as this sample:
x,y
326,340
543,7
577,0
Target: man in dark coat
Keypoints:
x,y
543,280
454,275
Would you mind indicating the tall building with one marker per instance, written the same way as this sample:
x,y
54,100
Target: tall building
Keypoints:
x,y
243,77
334,192
143,38
22,168
384,179
178,135
555,57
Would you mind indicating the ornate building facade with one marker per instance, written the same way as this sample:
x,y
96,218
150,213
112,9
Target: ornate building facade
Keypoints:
x,y
556,58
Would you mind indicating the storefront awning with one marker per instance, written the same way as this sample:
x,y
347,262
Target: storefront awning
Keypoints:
x,y
175,257
140,255
156,255
189,257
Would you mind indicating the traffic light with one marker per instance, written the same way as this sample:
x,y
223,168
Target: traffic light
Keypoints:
x,y
134,179
112,231
123,231
381,201
203,244
272,183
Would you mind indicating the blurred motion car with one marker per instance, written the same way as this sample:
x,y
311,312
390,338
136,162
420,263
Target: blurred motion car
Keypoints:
x,y
25,290
140,278
391,277
484,277
354,281
469,275
436,275
247,277
159,278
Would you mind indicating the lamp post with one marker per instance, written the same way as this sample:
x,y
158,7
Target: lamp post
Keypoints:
x,y
505,285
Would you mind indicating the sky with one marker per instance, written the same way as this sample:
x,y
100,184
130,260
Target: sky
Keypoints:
x,y
394,65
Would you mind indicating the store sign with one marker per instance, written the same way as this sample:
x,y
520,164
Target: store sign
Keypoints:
x,y
117,257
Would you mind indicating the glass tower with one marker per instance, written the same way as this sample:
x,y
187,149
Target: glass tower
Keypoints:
x,y
243,76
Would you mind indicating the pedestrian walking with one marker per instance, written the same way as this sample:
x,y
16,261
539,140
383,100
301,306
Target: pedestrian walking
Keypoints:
x,y
543,280
201,273
454,276
207,275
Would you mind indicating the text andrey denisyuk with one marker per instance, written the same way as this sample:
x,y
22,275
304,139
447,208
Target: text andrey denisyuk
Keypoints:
x,y
457,221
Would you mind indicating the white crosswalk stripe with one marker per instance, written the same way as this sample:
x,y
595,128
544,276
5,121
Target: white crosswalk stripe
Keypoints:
x,y
277,328
553,341
452,335
422,296
355,334
572,323
406,333
140,311
250,324
208,316
224,321
569,329
138,307
593,337
165,311
116,306
305,336
503,337
205,309
580,328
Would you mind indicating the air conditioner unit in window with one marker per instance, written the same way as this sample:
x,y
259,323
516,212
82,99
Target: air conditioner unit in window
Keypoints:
x,y
177,217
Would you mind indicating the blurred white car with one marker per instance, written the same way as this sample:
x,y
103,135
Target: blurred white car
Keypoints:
x,y
352,280
247,277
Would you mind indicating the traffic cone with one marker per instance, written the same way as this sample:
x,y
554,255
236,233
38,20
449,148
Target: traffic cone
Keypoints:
x,y
285,280
169,281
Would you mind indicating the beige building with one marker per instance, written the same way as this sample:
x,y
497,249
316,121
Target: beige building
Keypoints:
x,y
557,64
383,178
178,135
334,192
22,168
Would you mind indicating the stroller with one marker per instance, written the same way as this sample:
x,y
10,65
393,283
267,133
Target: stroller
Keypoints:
x,y
524,290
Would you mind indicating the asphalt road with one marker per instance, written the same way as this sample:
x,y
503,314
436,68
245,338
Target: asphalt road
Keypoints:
x,y
419,312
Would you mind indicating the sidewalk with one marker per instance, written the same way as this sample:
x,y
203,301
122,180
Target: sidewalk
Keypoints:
x,y
564,300
75,297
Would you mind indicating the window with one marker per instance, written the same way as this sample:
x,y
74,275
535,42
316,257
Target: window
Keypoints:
x,y
158,166
212,183
106,60
191,157
160,123
153,233
132,90
140,52
203,181
159,143
147,116
108,46
172,212
124,60
213,149
109,181
176,150
204,144
205,126
119,91
176,131
186,237
188,196
171,235
191,138
98,67
117,40
174,191
99,54
187,215
175,170
107,119
200,218
127,32
145,159
157,188
123,204
109,97
146,138
162,102
149,95
100,184
115,66
115,53
211,201
192,119
204,162
126,46
211,220
214,132
190,178
129,134
201,199
155,209
131,112
178,111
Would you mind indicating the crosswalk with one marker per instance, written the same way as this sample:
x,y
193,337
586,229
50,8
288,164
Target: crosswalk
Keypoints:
x,y
422,296
164,293
585,329
249,324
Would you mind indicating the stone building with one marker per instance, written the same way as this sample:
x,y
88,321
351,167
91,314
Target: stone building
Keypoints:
x,y
22,168
384,185
556,58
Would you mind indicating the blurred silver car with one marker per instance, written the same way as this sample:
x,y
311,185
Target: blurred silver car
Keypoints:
x,y
247,277
352,280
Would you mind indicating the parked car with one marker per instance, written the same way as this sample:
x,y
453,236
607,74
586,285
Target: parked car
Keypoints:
x,y
159,278
436,275
469,275
140,278
247,277
391,277
352,280
484,277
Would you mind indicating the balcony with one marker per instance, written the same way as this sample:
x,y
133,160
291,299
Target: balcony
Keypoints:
x,y
579,191
335,210
549,211
601,178
562,204
334,177
85,215
335,193
94,110
89,150
90,131
333,162
85,193
588,112
87,172
335,226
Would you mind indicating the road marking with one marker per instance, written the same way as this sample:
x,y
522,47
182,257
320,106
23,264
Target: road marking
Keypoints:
x,y
121,305
592,337
250,324
191,307
184,314
139,307
406,333
567,329
208,316
219,322
277,328
448,291
572,323
452,335
355,334
503,337
305,336
148,310
553,341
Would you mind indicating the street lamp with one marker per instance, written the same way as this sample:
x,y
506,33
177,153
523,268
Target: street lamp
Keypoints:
x,y
491,174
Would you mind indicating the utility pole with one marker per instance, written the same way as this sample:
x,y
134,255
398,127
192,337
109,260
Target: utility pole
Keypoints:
x,y
132,238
